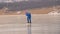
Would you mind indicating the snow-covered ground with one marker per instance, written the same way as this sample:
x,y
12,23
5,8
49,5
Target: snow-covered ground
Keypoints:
x,y
41,24
54,13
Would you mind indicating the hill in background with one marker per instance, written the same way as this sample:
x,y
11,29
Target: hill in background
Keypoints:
x,y
35,6
33,11
31,4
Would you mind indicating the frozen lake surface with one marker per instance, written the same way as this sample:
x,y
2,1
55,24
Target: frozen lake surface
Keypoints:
x,y
41,24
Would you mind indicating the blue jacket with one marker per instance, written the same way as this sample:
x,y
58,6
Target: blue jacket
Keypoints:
x,y
28,15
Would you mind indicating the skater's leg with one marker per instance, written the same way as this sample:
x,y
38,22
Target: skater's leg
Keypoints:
x,y
30,20
27,20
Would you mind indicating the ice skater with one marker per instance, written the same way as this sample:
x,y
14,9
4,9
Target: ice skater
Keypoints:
x,y
28,15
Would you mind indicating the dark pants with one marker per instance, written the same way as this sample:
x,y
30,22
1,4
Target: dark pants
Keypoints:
x,y
28,20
